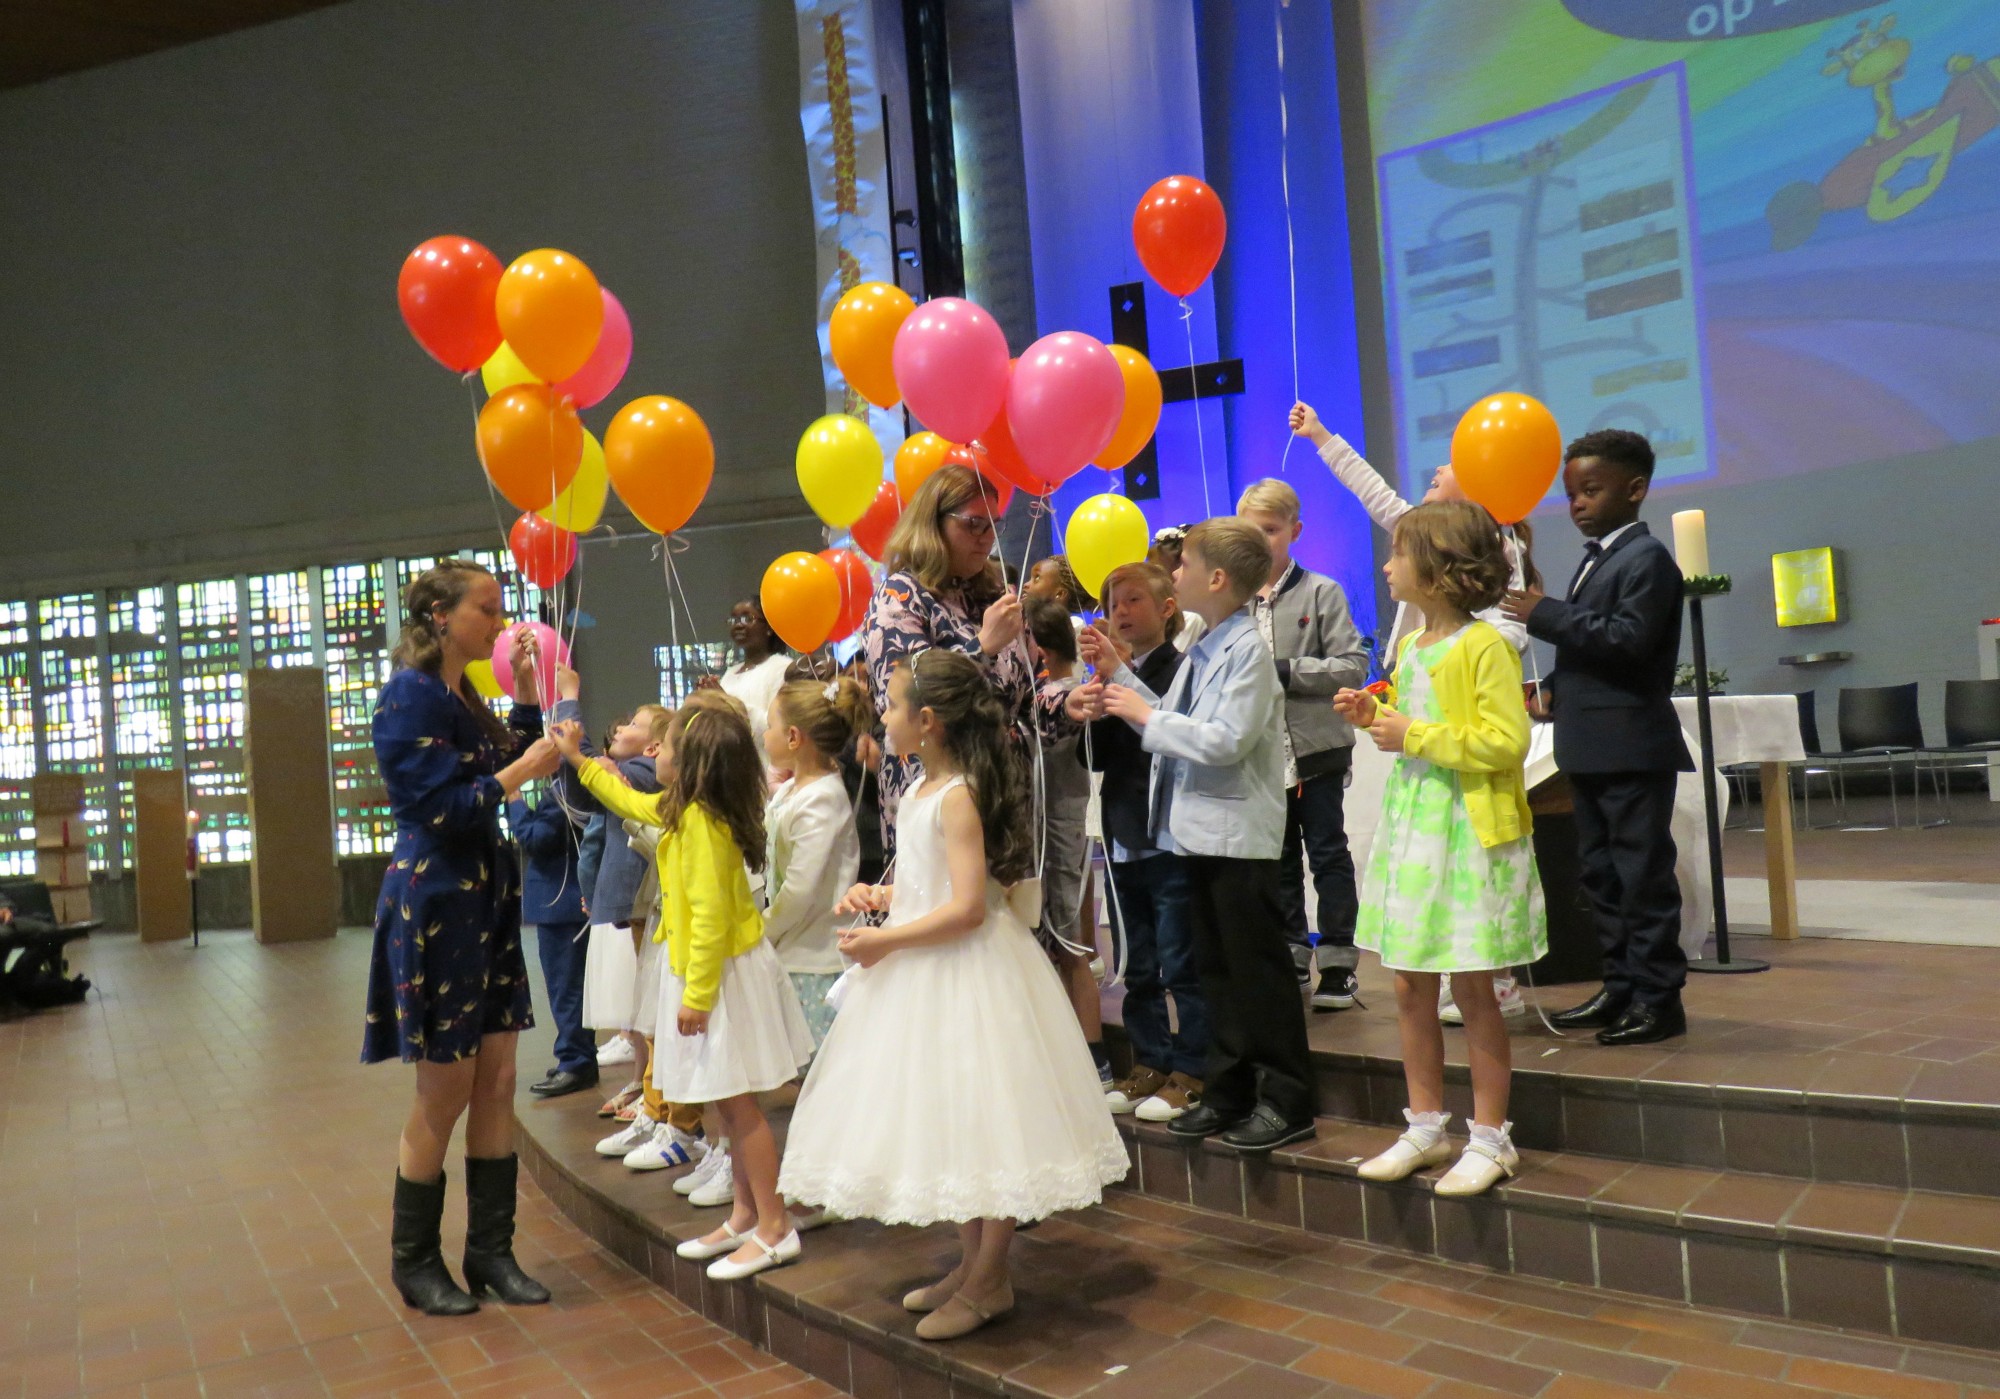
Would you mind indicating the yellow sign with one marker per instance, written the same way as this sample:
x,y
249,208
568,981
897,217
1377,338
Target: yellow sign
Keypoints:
x,y
1803,583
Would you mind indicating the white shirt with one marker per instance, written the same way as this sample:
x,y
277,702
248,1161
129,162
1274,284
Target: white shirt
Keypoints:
x,y
1603,543
813,855
757,686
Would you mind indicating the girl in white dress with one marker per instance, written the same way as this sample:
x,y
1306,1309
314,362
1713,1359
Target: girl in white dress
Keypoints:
x,y
952,991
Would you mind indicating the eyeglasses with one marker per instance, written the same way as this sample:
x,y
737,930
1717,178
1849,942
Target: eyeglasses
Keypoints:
x,y
978,524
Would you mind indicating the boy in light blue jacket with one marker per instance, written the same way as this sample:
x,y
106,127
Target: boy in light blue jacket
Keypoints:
x,y
1218,800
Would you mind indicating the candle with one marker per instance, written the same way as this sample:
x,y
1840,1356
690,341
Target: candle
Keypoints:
x,y
1691,542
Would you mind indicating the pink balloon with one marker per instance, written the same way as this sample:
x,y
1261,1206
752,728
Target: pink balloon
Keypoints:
x,y
951,365
1064,403
554,651
607,363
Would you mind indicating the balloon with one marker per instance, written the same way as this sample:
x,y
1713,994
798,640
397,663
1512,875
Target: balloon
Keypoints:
x,y
530,444
1002,458
862,333
660,458
1106,532
801,597
1064,402
999,491
1141,414
581,504
446,292
600,374
1506,452
871,531
552,312
840,467
1178,230
554,651
951,364
480,673
857,590
542,552
920,455
503,369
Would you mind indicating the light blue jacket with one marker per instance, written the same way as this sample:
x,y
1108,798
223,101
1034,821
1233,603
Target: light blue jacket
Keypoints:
x,y
1220,765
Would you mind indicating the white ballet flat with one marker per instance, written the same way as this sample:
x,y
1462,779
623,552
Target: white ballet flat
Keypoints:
x,y
1405,1158
805,1221
776,1255
1483,1166
729,1243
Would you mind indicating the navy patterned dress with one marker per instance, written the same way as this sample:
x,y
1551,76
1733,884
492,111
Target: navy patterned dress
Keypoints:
x,y
448,966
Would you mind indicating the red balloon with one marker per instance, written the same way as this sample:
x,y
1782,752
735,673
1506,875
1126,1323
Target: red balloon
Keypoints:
x,y
857,590
1003,460
543,552
1000,493
446,293
1178,230
871,531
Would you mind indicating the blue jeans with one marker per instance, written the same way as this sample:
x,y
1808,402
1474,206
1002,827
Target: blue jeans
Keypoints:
x,y
1159,957
562,952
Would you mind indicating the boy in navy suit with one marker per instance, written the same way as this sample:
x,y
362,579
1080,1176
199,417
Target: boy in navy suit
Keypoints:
x,y
1617,634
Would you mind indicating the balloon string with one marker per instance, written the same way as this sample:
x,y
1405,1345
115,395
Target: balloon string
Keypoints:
x,y
1285,185
1194,382
479,451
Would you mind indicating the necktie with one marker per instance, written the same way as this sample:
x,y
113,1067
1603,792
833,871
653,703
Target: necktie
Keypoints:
x,y
1592,551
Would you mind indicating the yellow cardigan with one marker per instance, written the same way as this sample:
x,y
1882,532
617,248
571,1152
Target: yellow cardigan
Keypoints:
x,y
1484,735
707,914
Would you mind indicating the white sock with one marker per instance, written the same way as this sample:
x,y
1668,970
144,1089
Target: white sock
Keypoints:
x,y
1425,1127
1492,1136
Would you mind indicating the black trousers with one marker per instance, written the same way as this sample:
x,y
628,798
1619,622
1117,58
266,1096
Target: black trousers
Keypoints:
x,y
1257,1048
1316,825
1625,843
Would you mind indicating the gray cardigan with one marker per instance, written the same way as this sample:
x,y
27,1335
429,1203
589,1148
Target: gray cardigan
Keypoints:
x,y
1318,650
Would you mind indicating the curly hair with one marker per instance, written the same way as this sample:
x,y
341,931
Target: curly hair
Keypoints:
x,y
976,735
718,764
1456,550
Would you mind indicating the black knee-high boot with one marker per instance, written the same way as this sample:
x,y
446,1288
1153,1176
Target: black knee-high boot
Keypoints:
x,y
489,1232
418,1269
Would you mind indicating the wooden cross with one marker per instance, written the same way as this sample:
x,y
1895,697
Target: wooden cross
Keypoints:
x,y
1216,379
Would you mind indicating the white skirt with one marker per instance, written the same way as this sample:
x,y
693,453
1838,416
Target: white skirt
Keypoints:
x,y
652,965
757,1037
610,978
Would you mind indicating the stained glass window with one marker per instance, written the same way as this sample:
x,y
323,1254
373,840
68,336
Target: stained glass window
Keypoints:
x,y
681,666
142,699
357,662
280,623
17,743
212,718
73,704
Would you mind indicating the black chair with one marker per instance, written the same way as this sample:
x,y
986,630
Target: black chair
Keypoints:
x,y
1971,730
1819,763
1880,728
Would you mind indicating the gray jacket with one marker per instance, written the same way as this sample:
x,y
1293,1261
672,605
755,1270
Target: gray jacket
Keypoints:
x,y
1318,650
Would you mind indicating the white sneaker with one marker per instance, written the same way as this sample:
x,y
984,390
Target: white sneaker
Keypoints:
x,y
719,1188
667,1146
615,1051
1488,1159
716,1156
636,1134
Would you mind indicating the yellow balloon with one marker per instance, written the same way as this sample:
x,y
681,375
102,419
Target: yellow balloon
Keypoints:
x,y
1106,532
480,673
840,468
581,503
504,370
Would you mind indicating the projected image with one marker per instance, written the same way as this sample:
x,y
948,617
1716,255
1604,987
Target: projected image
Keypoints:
x,y
1797,274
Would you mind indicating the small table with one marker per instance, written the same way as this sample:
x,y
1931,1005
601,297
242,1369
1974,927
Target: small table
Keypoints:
x,y
1762,729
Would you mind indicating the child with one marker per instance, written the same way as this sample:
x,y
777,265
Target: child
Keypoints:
x,y
1385,507
814,850
1451,884
1617,636
1217,798
1150,884
550,900
1065,801
740,1032
1053,578
1303,618
954,1045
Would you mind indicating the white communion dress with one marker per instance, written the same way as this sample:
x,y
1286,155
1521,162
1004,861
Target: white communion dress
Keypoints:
x,y
955,1083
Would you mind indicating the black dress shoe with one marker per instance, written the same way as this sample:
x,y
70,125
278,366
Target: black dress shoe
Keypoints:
x,y
1267,1130
1600,1010
1644,1024
1204,1121
557,1084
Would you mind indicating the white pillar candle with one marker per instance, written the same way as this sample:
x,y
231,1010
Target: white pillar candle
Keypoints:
x,y
1691,542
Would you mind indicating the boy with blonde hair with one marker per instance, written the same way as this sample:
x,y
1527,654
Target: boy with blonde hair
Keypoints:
x,y
1304,619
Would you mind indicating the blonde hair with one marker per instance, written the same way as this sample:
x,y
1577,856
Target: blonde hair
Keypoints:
x,y
1271,496
1235,546
656,717
1155,580
917,545
827,712
1456,550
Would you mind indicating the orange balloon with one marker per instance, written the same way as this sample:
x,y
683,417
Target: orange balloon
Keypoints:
x,y
660,459
551,311
862,333
1506,452
530,443
801,597
920,455
1142,409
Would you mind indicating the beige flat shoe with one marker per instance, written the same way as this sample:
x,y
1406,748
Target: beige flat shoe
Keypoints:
x,y
929,1299
1405,1158
961,1316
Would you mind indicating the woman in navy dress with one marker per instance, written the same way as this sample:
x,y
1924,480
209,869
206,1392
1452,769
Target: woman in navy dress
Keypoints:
x,y
448,985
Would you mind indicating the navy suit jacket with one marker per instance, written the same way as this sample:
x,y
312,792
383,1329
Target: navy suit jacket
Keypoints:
x,y
550,890
1128,768
1617,642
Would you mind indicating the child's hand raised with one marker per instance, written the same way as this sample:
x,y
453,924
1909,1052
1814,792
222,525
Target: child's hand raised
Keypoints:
x,y
569,685
1125,704
1357,707
567,735
1100,650
1305,423
864,946
1388,729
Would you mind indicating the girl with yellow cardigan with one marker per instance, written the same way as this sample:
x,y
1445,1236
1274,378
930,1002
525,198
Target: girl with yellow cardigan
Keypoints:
x,y
737,1030
1450,885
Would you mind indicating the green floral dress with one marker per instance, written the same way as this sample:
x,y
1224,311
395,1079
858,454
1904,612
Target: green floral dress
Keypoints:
x,y
1433,899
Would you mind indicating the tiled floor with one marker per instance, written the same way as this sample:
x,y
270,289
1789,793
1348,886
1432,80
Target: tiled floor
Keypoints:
x,y
194,1196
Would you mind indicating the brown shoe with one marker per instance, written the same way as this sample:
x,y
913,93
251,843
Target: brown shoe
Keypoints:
x,y
1133,1089
1174,1097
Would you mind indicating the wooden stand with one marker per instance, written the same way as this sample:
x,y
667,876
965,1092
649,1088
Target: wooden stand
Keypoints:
x,y
159,854
294,882
62,844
